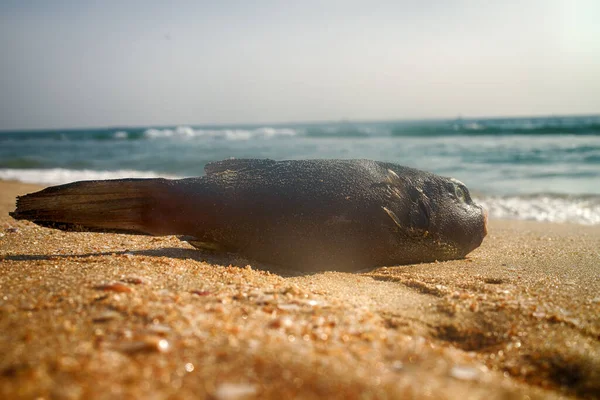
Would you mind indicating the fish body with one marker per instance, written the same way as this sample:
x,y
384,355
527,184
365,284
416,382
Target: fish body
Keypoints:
x,y
306,214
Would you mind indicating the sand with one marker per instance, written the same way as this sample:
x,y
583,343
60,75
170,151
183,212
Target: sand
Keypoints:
x,y
86,315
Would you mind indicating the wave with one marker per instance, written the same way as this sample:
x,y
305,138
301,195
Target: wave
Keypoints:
x,y
584,209
430,128
344,130
121,135
58,176
498,127
227,134
579,126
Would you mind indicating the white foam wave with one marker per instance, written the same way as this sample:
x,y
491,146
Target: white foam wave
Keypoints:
x,y
58,176
471,126
547,208
121,135
227,134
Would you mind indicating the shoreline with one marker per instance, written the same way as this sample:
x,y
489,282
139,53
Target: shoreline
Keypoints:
x,y
103,315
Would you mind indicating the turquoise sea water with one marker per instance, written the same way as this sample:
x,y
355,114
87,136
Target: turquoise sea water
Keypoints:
x,y
528,168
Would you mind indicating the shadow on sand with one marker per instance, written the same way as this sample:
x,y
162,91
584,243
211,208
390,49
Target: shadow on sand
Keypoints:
x,y
218,259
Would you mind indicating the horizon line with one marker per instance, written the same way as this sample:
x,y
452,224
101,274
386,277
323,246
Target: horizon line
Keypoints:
x,y
313,122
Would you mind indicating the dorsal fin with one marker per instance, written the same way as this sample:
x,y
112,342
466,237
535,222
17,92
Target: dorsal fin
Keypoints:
x,y
236,165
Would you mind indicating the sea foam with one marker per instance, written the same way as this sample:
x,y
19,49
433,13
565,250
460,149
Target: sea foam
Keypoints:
x,y
583,210
227,134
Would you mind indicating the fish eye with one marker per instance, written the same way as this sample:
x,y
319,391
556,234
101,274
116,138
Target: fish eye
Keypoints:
x,y
460,193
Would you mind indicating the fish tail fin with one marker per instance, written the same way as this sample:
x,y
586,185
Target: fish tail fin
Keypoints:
x,y
120,206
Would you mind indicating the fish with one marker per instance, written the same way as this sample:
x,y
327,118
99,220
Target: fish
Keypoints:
x,y
308,215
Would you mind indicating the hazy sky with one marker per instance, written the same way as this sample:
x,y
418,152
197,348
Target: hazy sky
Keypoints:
x,y
107,63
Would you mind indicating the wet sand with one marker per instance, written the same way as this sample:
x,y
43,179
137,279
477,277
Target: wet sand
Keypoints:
x,y
86,315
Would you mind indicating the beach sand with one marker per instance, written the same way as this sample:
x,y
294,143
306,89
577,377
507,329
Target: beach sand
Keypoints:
x,y
86,315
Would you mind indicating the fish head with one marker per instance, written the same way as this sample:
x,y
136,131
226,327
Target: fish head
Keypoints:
x,y
453,219
439,211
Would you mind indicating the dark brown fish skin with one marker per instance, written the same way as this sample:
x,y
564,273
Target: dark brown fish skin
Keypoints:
x,y
306,214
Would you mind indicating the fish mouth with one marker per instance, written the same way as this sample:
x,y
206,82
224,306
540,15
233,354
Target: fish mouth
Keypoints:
x,y
478,238
477,235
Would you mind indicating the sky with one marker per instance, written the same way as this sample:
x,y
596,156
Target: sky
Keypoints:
x,y
138,63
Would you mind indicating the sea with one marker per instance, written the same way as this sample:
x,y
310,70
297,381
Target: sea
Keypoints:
x,y
542,168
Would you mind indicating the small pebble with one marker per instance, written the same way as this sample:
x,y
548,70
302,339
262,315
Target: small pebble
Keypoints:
x,y
464,373
397,365
134,280
106,316
264,300
231,391
281,322
289,307
144,344
114,287
312,303
159,329
200,292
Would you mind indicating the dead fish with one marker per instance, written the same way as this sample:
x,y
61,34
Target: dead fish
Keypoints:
x,y
306,214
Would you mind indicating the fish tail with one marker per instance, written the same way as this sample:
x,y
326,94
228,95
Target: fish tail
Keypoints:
x,y
134,206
